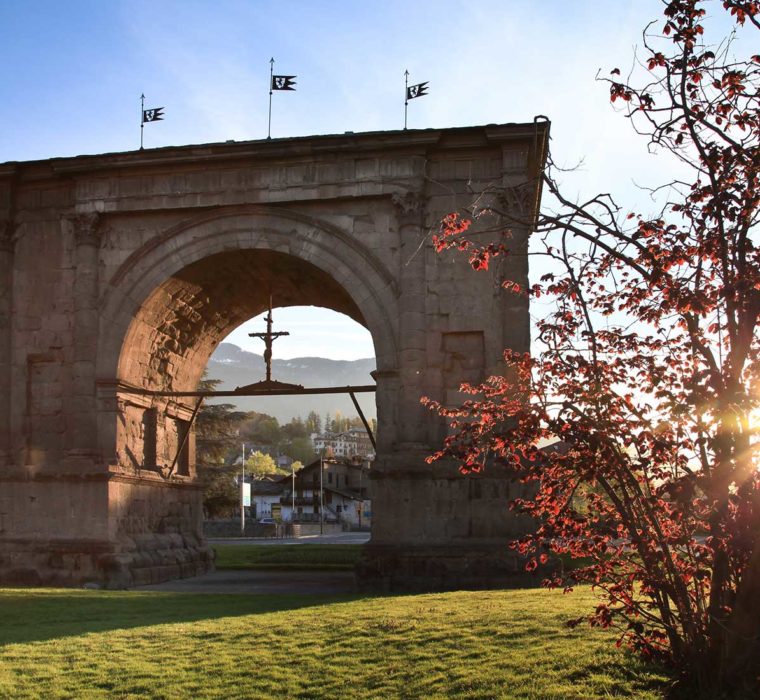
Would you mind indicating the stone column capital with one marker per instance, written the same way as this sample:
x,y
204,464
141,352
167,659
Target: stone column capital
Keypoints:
x,y
517,201
7,239
409,205
86,227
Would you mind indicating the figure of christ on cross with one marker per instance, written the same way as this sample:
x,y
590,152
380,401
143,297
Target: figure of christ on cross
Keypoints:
x,y
268,339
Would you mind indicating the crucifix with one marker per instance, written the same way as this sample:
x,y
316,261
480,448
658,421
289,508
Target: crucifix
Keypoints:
x,y
268,339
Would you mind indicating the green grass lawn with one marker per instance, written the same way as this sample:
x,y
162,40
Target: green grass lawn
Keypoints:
x,y
505,644
284,556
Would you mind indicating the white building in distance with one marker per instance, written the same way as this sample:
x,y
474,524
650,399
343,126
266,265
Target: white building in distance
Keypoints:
x,y
351,443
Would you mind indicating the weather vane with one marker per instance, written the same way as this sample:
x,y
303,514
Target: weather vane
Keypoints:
x,y
268,339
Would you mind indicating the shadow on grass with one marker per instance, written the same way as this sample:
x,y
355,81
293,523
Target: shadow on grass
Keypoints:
x,y
35,615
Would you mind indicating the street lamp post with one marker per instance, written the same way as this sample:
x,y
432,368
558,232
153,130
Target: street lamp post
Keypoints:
x,y
242,498
321,494
361,498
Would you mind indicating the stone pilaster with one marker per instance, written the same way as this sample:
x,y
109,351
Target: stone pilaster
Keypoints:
x,y
518,203
6,288
410,212
82,413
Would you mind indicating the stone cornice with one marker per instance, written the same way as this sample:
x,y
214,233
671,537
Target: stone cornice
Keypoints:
x,y
421,140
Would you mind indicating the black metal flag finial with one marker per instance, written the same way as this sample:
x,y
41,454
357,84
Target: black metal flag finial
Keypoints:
x,y
277,82
283,82
411,92
155,114
416,91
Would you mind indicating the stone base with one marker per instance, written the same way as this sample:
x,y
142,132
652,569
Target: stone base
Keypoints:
x,y
68,563
157,558
106,528
397,568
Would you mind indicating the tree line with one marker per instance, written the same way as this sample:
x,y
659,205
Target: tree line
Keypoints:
x,y
221,431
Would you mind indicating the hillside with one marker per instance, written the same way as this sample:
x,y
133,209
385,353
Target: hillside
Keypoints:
x,y
237,367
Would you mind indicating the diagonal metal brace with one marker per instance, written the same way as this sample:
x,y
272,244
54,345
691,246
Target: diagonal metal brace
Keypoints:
x,y
364,420
185,437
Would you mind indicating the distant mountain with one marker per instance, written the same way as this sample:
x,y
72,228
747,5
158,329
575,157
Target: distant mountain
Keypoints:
x,y
237,367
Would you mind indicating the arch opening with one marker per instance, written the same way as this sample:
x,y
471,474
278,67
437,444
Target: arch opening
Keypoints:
x,y
179,325
177,328
284,436
322,348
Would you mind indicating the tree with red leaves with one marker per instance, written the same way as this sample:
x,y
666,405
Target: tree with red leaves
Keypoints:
x,y
647,368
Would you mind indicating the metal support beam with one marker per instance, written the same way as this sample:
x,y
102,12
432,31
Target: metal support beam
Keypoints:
x,y
350,390
185,437
362,388
364,420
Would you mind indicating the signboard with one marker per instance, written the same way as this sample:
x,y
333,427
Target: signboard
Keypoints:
x,y
247,495
277,511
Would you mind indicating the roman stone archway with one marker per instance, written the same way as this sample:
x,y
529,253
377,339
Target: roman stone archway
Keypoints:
x,y
125,271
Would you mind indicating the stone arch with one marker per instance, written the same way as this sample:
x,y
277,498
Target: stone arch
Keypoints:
x,y
172,301
369,290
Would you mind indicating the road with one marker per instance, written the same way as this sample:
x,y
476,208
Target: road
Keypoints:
x,y
341,538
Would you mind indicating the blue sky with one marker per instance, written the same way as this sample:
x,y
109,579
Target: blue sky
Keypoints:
x,y
73,73
75,69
